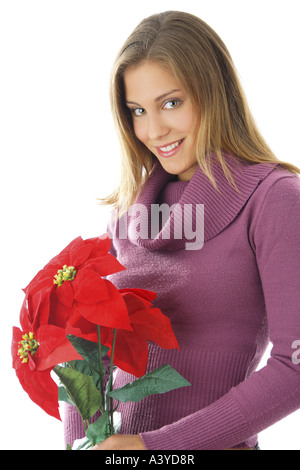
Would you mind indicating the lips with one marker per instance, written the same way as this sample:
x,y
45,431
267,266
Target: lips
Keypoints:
x,y
170,149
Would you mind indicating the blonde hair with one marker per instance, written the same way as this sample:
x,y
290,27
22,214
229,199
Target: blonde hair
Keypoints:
x,y
200,60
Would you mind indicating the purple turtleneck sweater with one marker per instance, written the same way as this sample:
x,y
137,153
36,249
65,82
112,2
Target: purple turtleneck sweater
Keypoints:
x,y
226,300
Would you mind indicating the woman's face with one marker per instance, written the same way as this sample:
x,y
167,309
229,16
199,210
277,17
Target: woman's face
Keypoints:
x,y
164,119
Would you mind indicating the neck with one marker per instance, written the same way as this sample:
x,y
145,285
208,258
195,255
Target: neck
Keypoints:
x,y
188,174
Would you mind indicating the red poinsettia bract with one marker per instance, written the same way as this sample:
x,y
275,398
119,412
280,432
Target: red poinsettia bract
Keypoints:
x,y
77,291
148,324
70,295
35,352
65,297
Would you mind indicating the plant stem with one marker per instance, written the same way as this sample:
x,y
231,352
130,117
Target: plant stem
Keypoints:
x,y
100,364
111,410
84,426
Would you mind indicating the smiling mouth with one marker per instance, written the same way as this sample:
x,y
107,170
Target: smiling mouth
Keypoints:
x,y
170,147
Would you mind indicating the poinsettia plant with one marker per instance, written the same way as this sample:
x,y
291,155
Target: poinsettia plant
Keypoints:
x,y
76,323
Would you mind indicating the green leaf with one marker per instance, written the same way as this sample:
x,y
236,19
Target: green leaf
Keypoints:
x,y
90,364
81,390
99,430
88,350
161,380
63,395
84,367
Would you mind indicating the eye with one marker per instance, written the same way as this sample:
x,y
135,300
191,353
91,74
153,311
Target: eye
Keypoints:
x,y
171,104
138,111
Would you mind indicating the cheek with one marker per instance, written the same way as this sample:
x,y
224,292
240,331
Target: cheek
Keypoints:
x,y
189,120
181,122
140,131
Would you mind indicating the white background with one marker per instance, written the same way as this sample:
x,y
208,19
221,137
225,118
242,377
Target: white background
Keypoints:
x,y
59,151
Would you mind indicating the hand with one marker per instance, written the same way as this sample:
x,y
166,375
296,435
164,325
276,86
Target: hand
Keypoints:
x,y
121,442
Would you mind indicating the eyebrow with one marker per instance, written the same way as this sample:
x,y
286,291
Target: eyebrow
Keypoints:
x,y
159,98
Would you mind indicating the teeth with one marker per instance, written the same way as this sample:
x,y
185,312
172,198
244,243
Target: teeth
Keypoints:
x,y
170,147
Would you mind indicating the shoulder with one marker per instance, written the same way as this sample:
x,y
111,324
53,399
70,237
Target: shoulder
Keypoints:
x,y
275,209
280,179
280,187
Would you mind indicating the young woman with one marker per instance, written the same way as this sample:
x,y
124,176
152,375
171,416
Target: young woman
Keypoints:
x,y
228,274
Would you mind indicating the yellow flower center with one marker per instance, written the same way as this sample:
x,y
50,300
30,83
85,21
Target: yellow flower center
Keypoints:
x,y
28,345
67,273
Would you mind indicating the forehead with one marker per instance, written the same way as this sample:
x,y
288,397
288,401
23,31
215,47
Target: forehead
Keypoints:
x,y
149,80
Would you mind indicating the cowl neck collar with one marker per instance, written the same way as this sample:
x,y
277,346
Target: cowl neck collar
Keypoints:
x,y
220,207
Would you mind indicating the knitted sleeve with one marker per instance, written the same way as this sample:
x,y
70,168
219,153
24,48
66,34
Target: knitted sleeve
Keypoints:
x,y
273,392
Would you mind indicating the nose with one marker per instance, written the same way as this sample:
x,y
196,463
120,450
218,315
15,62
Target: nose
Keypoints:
x,y
157,128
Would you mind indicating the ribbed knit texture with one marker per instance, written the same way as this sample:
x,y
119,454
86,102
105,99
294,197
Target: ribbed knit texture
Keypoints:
x,y
225,302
